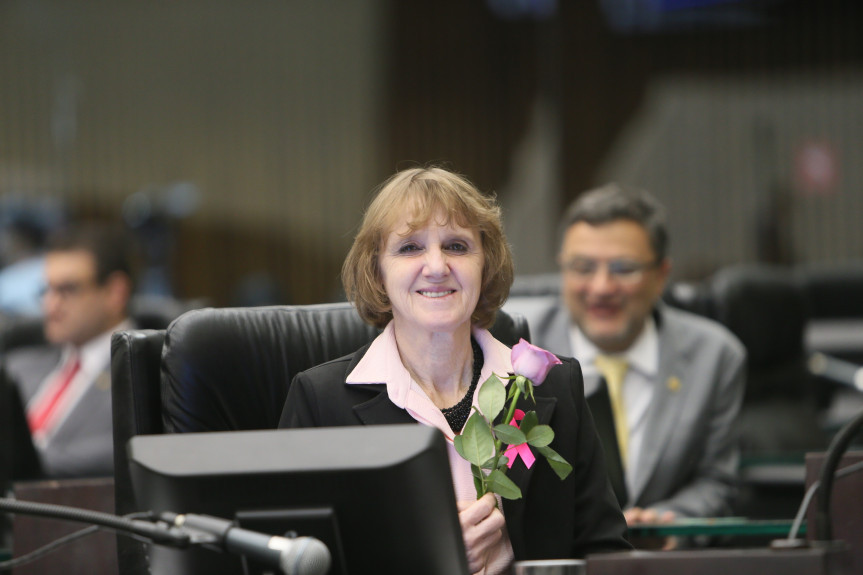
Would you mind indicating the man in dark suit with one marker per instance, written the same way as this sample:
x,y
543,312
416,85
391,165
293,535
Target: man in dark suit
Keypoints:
x,y
66,385
665,417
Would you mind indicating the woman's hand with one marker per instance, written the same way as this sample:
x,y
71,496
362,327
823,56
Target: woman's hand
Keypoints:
x,y
482,526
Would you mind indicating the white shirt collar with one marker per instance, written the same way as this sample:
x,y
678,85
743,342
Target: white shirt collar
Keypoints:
x,y
382,364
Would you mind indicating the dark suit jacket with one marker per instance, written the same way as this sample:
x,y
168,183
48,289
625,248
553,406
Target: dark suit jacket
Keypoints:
x,y
554,519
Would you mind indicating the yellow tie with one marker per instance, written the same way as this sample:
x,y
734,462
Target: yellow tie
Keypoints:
x,y
614,369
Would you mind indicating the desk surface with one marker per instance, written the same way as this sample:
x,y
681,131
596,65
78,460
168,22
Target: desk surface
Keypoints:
x,y
814,561
95,554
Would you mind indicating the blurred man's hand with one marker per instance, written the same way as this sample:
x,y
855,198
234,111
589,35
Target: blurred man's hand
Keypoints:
x,y
636,516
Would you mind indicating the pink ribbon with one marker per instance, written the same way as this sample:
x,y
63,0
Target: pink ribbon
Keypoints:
x,y
523,450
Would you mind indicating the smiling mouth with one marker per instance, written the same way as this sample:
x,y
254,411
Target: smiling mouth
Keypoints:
x,y
603,310
436,294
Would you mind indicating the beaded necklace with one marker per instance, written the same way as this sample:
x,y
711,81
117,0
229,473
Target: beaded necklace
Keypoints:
x,y
456,416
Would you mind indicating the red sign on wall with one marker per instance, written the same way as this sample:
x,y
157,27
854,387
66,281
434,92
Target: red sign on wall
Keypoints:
x,y
816,167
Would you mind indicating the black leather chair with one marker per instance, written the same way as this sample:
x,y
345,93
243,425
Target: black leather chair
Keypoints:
x,y
767,308
835,292
834,289
226,369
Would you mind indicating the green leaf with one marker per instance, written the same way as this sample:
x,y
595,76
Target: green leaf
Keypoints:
x,y
511,390
540,436
492,396
457,443
530,392
478,481
499,483
502,461
490,463
521,382
476,471
528,422
475,443
509,434
557,463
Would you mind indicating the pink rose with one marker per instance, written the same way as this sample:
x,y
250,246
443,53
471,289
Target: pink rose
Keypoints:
x,y
532,362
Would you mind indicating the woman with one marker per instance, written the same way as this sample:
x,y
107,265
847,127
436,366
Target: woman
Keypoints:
x,y
431,265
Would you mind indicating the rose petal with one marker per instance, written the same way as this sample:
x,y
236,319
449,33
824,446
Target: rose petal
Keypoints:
x,y
532,362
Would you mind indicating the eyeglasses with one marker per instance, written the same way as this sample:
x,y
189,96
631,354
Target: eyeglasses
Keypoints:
x,y
625,272
67,290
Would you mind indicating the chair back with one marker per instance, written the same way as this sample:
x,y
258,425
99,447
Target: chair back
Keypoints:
x,y
834,292
229,369
766,307
226,369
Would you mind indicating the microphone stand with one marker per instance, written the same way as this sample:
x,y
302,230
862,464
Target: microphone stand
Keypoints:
x,y
837,448
154,532
304,555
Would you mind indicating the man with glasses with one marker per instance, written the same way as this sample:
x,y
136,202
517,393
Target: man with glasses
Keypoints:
x,y
66,386
664,385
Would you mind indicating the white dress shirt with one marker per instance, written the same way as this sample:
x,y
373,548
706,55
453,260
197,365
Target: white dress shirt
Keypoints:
x,y
638,385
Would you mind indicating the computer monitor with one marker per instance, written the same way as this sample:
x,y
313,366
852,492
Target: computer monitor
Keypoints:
x,y
380,497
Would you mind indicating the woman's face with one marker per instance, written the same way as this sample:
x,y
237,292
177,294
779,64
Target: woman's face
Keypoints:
x,y
432,275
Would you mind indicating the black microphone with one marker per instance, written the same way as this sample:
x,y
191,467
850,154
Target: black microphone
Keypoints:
x,y
299,556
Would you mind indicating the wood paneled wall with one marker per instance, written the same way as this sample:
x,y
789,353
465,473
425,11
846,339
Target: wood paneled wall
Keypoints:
x,y
283,116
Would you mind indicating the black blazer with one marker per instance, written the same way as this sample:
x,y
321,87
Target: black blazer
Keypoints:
x,y
554,519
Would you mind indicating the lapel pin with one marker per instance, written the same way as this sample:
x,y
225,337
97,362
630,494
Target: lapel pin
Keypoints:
x,y
673,383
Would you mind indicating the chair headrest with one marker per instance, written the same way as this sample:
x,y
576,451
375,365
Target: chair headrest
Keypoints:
x,y
834,289
766,307
230,368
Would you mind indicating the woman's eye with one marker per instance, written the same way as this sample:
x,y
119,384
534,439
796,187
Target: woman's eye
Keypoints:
x,y
408,248
457,247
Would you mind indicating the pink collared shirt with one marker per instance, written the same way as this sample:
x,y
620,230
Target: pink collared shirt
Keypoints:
x,y
382,364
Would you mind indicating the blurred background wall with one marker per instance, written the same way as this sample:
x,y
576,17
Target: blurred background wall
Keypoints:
x,y
241,140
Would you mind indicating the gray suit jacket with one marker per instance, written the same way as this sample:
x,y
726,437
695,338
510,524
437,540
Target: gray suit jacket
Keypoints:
x,y
690,452
83,445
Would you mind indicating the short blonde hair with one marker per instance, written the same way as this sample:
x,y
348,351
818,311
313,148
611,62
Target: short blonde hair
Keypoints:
x,y
428,190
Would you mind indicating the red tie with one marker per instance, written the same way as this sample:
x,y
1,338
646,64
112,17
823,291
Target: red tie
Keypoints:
x,y
41,415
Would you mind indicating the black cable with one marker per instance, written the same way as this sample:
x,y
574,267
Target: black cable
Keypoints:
x,y
52,546
47,548
837,448
151,531
807,498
